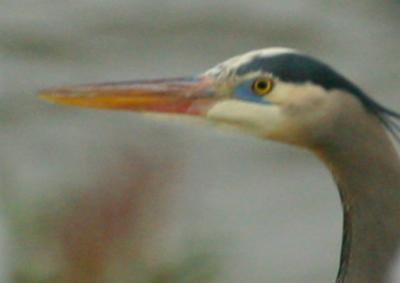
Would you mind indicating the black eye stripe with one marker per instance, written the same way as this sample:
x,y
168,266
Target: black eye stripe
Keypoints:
x,y
299,68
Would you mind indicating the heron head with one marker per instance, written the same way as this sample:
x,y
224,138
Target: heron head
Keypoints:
x,y
275,93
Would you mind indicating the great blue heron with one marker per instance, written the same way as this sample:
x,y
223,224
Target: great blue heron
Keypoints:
x,y
287,96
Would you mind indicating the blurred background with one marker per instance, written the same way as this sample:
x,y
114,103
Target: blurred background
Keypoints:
x,y
97,196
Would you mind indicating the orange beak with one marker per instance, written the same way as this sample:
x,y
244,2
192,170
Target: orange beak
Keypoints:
x,y
190,96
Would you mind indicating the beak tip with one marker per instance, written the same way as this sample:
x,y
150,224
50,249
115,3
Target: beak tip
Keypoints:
x,y
45,95
56,96
48,95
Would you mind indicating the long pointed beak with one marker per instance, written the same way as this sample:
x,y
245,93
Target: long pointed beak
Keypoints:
x,y
191,96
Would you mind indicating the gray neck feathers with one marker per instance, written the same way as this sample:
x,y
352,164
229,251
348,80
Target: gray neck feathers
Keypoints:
x,y
366,169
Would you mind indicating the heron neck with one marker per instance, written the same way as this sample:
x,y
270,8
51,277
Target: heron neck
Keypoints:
x,y
366,169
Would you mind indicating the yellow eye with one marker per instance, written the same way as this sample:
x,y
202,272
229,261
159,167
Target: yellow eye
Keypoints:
x,y
262,86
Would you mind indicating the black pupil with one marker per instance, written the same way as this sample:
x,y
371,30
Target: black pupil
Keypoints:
x,y
262,85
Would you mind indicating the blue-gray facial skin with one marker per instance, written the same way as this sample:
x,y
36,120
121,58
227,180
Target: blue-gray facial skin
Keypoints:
x,y
244,92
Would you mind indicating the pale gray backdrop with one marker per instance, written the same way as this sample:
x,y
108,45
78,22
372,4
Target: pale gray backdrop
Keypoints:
x,y
270,211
